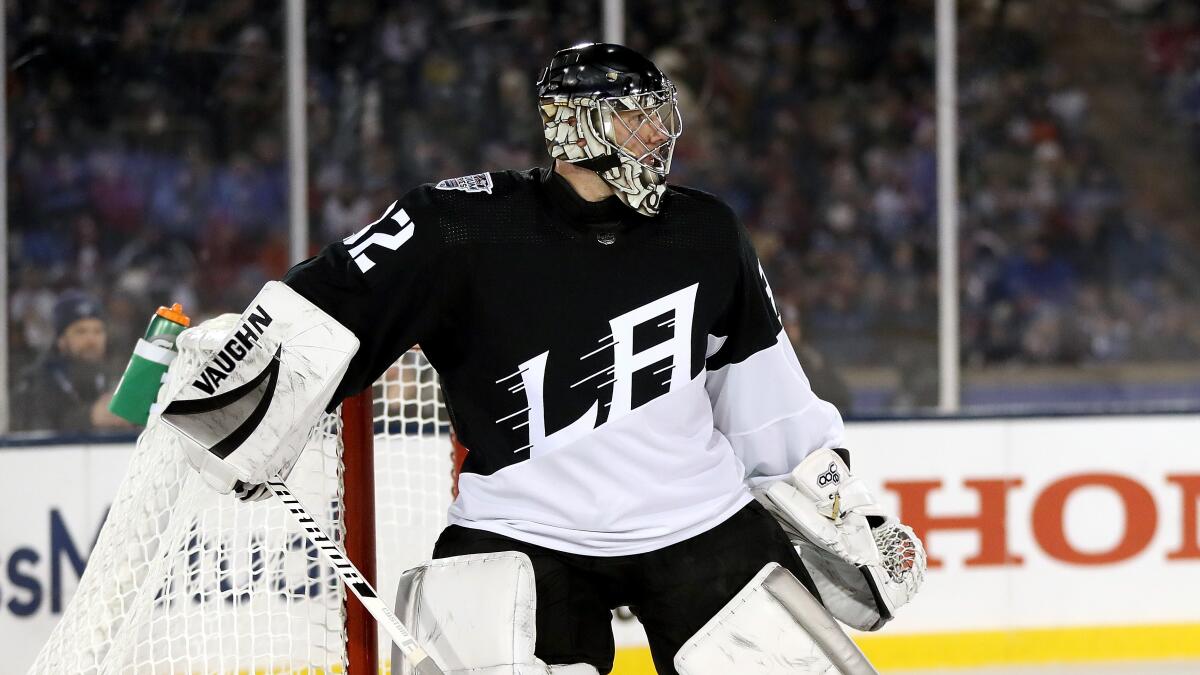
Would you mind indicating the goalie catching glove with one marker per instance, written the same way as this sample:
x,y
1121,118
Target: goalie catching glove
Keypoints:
x,y
866,565
243,417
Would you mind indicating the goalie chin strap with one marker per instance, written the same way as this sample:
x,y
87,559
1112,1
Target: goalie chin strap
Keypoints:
x,y
423,663
600,164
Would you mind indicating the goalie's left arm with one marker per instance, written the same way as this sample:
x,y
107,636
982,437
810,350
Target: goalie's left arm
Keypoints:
x,y
762,401
866,564
336,322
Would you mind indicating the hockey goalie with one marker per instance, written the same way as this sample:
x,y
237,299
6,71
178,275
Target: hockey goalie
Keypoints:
x,y
640,430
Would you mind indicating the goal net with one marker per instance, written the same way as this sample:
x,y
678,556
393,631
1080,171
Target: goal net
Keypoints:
x,y
183,580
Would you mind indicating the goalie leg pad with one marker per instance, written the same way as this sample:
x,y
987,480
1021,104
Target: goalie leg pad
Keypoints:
x,y
475,614
773,625
246,412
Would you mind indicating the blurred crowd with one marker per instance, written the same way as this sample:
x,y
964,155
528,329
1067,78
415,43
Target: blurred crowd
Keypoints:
x,y
147,166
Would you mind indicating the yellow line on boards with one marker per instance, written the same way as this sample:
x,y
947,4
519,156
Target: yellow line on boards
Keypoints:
x,y
984,648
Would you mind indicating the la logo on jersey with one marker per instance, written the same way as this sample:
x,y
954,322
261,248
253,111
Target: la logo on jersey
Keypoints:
x,y
675,350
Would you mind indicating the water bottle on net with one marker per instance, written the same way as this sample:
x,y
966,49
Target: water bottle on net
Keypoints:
x,y
144,375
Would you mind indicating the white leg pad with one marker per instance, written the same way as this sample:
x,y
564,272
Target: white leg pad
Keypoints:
x,y
475,614
773,625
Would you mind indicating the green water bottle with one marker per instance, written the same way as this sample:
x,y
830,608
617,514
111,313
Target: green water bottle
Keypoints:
x,y
144,375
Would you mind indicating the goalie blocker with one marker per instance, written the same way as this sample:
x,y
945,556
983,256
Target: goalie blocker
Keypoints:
x,y
244,416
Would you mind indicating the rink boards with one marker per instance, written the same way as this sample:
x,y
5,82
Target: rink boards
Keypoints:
x,y
1057,540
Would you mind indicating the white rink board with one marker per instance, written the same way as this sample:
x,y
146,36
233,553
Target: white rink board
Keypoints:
x,y
71,486
56,498
1044,591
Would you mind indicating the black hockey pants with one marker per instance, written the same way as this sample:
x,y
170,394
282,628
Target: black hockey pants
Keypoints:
x,y
673,591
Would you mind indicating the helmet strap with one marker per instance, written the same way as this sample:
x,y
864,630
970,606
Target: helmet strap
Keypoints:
x,y
600,164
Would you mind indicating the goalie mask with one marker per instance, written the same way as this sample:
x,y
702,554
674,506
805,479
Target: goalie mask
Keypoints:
x,y
609,109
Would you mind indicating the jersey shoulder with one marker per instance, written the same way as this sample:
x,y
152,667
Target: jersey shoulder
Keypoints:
x,y
478,188
491,184
699,202
473,196
499,207
700,219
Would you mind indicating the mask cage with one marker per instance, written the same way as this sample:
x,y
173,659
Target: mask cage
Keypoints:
x,y
658,110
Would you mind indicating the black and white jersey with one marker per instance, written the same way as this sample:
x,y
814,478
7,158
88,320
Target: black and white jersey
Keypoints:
x,y
618,379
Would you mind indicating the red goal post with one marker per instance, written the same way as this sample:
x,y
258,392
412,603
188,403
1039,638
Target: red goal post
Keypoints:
x,y
358,466
358,461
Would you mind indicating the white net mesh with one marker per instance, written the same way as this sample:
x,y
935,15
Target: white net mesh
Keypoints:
x,y
413,462
183,580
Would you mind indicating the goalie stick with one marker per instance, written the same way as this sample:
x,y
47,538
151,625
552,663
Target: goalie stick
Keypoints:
x,y
350,575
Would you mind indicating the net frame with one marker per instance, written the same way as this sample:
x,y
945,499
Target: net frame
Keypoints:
x,y
358,475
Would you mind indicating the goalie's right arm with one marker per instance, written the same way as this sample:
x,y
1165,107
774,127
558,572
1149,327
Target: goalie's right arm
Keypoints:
x,y
390,283
243,417
328,331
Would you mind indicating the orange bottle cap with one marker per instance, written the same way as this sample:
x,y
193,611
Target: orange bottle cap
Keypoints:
x,y
174,313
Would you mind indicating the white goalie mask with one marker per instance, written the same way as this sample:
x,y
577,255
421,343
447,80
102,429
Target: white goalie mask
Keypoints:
x,y
608,109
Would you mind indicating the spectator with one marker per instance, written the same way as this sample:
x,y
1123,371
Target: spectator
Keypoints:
x,y
69,388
